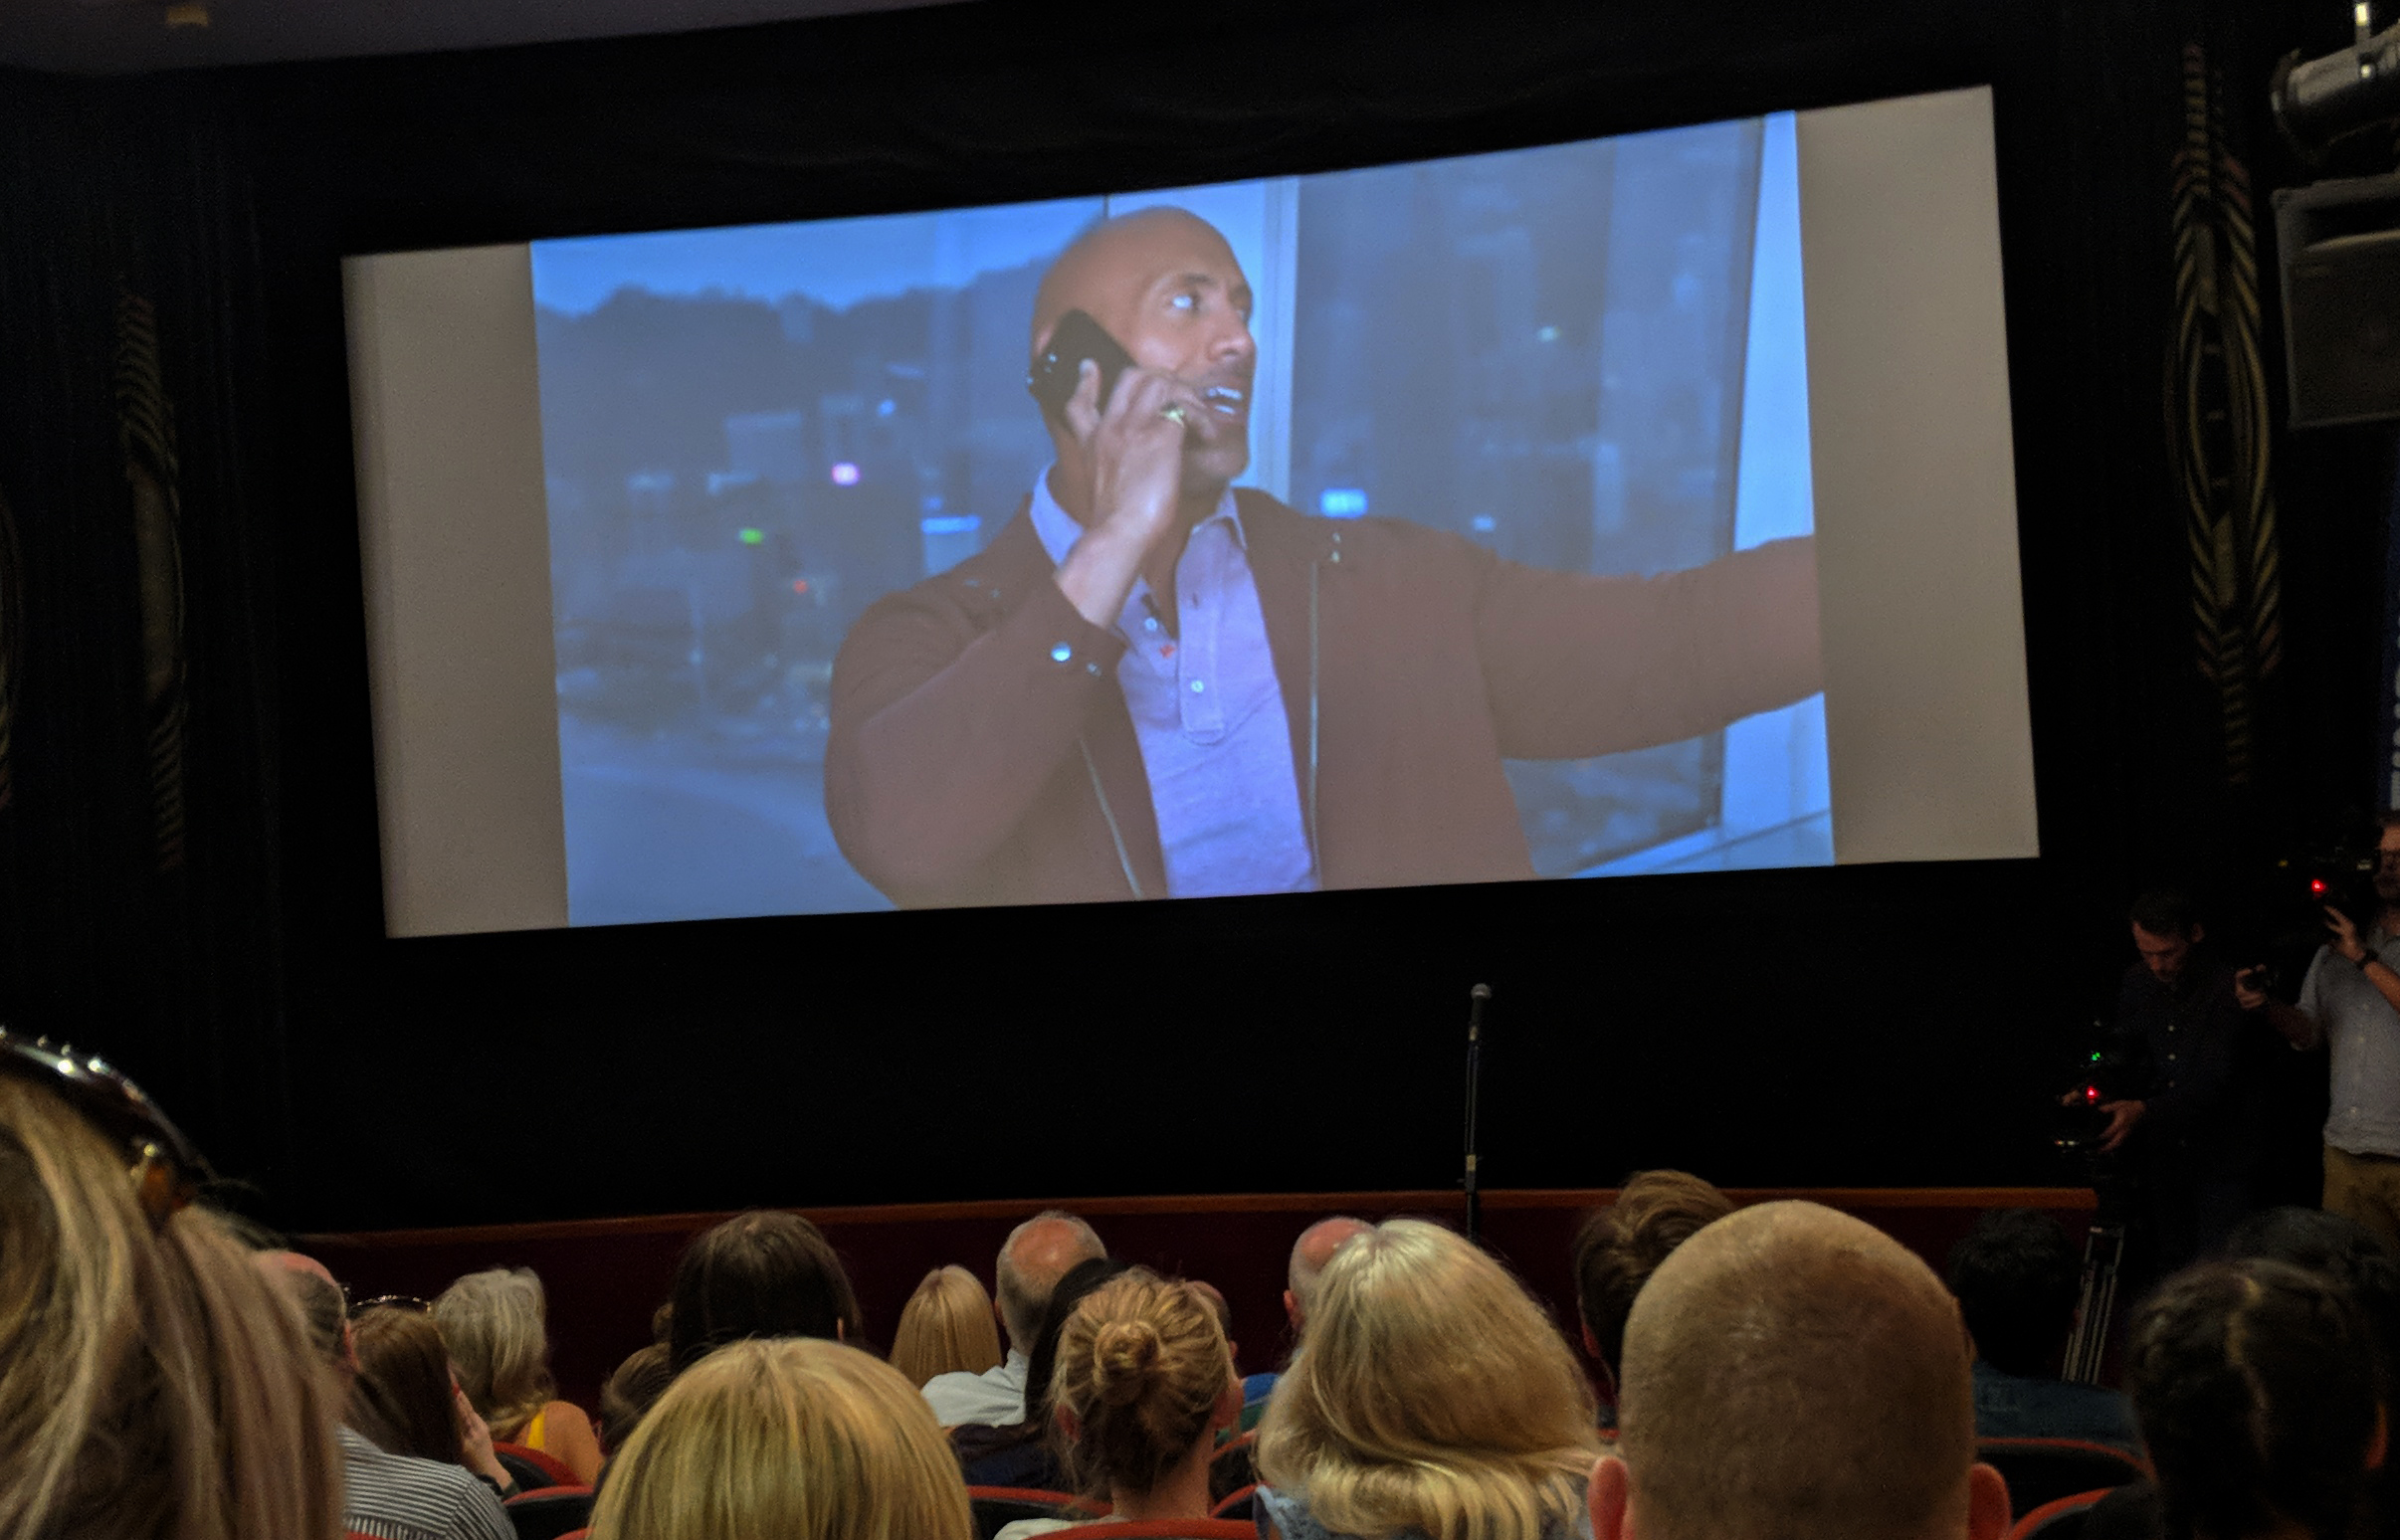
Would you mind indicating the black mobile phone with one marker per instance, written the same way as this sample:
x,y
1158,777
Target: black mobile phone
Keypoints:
x,y
1058,368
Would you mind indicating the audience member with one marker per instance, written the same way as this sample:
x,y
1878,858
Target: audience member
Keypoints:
x,y
2342,1248
1620,1245
1035,1256
2333,1247
764,1273
946,1327
2349,1005
1310,1253
631,1392
1430,1396
1027,1453
394,1495
1144,1382
497,1325
407,1399
2259,1390
152,1382
1790,1372
2015,1275
798,1439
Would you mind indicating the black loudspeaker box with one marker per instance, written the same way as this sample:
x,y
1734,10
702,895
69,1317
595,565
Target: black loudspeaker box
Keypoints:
x,y
2340,249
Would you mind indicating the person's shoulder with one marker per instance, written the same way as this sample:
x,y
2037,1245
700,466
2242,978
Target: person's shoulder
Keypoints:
x,y
979,587
1025,1529
1347,542
381,1485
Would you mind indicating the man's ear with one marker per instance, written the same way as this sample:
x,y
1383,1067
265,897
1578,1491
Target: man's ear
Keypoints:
x,y
1987,1503
1609,1495
1291,1310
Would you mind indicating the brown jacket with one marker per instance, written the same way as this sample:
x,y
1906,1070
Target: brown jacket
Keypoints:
x,y
981,751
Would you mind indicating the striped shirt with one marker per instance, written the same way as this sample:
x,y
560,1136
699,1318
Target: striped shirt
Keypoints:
x,y
397,1497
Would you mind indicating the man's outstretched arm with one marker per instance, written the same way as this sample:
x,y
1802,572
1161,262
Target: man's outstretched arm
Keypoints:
x,y
1580,666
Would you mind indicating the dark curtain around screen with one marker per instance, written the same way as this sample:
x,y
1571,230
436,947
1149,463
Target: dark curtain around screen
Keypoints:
x,y
1861,1026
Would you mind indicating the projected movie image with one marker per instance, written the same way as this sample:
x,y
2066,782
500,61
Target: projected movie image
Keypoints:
x,y
1443,522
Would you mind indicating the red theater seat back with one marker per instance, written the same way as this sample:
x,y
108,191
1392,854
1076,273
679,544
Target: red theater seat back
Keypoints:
x,y
2042,1470
553,1469
549,1512
2059,1520
996,1507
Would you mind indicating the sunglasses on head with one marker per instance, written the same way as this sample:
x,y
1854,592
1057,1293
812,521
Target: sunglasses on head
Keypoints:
x,y
166,1169
389,1302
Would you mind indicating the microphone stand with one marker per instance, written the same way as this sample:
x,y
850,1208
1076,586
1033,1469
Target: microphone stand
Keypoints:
x,y
1475,997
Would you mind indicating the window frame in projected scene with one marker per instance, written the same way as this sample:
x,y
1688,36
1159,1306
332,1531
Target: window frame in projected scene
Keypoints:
x,y
1771,777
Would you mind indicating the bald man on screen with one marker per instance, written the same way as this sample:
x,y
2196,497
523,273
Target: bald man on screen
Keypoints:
x,y
1154,684
1791,1373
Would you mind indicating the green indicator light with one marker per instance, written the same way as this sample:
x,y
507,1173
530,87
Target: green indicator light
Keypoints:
x,y
753,538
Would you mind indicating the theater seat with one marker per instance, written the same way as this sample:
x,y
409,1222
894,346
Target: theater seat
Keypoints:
x,y
1240,1505
1160,1529
2062,1519
2043,1471
546,1469
996,1507
1230,1468
548,1512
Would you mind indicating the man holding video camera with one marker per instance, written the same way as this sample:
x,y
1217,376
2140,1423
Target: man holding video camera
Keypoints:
x,y
2350,1003
1153,685
2193,1131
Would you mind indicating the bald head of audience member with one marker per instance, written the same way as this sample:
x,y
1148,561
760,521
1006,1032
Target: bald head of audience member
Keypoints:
x,y
1794,1373
323,1311
1038,1252
1310,1253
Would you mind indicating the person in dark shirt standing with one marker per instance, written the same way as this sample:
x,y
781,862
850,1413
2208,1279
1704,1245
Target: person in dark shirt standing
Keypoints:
x,y
2193,1131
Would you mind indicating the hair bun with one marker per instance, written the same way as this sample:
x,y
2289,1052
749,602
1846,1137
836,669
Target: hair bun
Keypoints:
x,y
1123,1356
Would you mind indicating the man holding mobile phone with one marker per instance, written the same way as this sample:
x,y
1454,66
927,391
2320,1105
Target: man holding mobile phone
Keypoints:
x,y
1153,684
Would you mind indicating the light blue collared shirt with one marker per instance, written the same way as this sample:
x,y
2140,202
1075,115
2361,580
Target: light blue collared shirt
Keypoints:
x,y
1208,713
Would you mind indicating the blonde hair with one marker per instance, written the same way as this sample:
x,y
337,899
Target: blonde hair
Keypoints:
x,y
947,1328
495,1323
152,1381
1430,1393
1141,1363
1794,1372
798,1438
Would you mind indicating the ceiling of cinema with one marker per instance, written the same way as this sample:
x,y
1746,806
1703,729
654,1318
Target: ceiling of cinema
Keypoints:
x,y
111,37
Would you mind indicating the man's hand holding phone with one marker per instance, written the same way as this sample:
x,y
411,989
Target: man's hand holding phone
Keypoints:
x,y
1131,479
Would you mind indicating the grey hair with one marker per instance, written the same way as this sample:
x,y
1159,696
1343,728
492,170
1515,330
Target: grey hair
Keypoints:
x,y
495,1323
1024,1300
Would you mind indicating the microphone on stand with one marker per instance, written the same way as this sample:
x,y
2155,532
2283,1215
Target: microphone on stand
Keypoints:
x,y
1476,999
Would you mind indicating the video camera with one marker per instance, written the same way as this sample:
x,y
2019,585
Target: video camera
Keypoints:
x,y
2284,922
2106,1072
